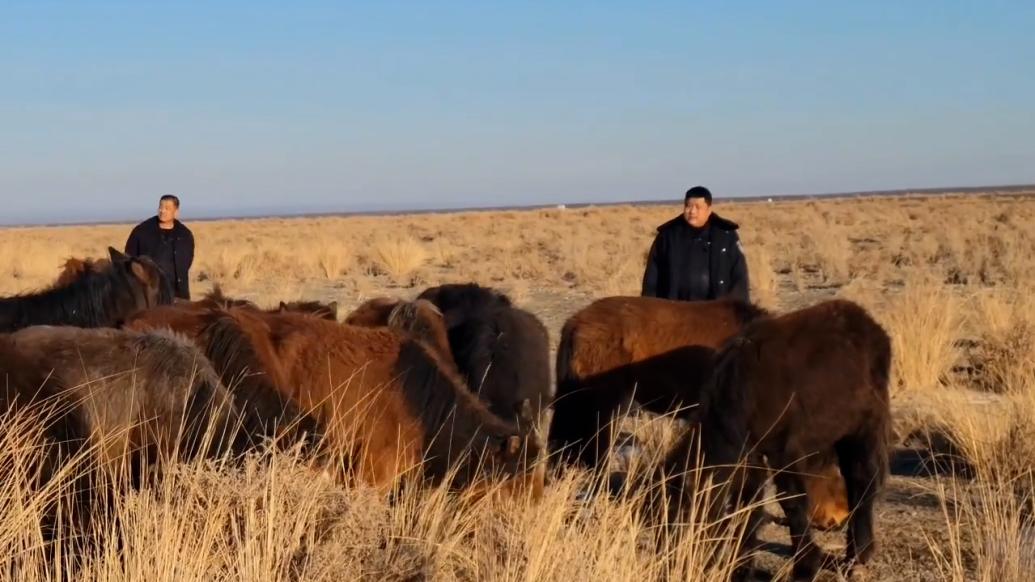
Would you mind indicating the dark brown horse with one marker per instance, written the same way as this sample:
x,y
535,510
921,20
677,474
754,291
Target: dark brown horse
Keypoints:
x,y
789,392
101,296
659,353
385,401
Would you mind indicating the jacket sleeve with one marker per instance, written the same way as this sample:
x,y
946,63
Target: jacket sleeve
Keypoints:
x,y
651,274
190,249
133,243
739,285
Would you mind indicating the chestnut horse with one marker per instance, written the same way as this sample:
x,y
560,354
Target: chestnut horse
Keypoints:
x,y
253,392
386,402
794,390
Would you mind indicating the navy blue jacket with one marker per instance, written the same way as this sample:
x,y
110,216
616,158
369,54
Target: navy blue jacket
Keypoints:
x,y
666,274
174,255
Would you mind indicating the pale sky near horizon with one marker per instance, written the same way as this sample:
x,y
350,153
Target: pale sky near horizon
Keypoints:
x,y
246,107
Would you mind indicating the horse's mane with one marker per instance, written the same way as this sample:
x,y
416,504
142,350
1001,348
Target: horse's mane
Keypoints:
x,y
216,298
746,312
90,300
265,409
465,297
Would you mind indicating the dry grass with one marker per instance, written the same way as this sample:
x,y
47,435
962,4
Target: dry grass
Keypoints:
x,y
271,520
949,277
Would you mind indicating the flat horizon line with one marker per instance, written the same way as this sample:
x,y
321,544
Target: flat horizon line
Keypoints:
x,y
1008,189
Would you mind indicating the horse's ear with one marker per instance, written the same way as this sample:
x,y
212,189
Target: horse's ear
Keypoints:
x,y
116,255
141,272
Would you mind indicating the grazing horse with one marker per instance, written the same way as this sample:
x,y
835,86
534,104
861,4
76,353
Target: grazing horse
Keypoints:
x,y
796,389
503,352
99,297
659,353
387,404
117,402
274,413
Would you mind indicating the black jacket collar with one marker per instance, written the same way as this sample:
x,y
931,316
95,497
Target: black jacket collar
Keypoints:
x,y
715,221
178,226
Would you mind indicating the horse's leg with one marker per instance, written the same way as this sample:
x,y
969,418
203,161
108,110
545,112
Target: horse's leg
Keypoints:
x,y
862,469
807,557
583,418
750,486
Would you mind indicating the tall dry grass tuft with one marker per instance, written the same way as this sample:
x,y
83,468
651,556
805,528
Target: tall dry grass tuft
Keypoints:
x,y
399,256
924,322
1004,322
764,286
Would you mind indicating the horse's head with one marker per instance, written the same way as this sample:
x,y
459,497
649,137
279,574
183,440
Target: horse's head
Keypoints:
x,y
373,313
146,285
520,457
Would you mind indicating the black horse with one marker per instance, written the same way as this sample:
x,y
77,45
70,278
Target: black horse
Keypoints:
x,y
100,296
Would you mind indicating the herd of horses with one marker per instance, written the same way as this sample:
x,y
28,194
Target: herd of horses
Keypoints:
x,y
455,386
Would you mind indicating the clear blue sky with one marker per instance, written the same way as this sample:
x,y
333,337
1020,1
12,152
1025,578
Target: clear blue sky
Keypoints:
x,y
250,106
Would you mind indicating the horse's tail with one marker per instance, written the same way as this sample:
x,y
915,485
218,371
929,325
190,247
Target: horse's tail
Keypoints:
x,y
567,410
567,380
263,408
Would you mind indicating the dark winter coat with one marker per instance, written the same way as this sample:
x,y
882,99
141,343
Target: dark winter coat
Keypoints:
x,y
675,271
174,253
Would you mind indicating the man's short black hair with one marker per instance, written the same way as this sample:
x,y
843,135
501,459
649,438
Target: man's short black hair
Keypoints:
x,y
176,200
698,192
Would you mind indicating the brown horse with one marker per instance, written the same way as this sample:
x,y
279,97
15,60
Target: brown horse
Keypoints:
x,y
617,349
271,412
385,401
99,296
794,390
419,318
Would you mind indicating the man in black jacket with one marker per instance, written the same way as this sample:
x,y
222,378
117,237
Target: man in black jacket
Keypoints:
x,y
168,242
696,256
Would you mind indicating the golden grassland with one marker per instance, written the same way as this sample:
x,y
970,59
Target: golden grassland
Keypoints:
x,y
950,277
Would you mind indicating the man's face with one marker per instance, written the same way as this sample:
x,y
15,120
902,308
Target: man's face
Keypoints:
x,y
167,211
696,212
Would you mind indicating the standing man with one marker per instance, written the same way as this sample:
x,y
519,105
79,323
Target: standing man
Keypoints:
x,y
696,256
167,242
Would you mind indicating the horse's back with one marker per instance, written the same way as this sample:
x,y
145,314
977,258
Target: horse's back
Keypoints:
x,y
820,367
